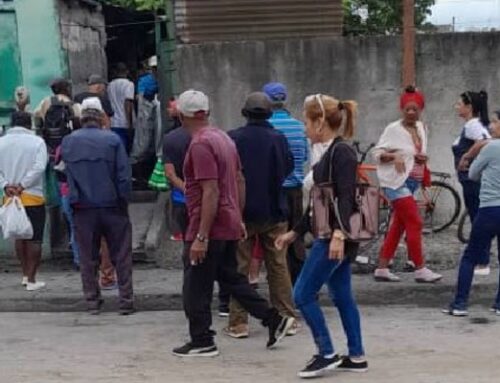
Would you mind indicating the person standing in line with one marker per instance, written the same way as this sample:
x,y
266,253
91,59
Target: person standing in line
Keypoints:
x,y
329,261
215,198
293,130
472,107
95,156
267,161
96,87
121,93
485,169
23,159
401,157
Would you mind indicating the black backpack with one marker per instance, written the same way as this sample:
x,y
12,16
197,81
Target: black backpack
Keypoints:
x,y
57,123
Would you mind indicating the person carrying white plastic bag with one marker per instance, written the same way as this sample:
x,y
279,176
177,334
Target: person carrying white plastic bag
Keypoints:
x,y
23,159
14,221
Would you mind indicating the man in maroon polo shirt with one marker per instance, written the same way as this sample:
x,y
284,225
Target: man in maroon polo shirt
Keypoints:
x,y
215,191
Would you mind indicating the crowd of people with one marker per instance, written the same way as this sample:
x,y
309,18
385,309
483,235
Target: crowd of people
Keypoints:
x,y
240,193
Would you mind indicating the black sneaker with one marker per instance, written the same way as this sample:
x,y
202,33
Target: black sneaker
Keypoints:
x,y
278,328
94,308
223,311
189,350
127,311
319,365
349,365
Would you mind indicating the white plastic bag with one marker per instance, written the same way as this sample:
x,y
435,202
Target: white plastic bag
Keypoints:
x,y
14,221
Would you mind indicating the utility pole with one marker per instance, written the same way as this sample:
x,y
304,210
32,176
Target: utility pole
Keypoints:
x,y
408,42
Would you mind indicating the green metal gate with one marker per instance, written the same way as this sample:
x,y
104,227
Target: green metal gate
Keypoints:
x,y
10,64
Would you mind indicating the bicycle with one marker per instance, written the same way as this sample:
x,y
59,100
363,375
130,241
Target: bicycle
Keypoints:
x,y
440,203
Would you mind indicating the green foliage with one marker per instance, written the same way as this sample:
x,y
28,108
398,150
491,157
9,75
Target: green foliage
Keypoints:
x,y
384,16
141,5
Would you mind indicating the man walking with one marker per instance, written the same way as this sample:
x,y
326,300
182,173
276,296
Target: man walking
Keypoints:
x,y
99,179
294,132
23,159
121,95
266,161
215,192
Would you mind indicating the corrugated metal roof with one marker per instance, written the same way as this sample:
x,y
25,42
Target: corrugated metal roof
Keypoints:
x,y
221,20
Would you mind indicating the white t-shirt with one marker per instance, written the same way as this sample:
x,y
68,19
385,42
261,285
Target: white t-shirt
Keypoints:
x,y
120,90
474,130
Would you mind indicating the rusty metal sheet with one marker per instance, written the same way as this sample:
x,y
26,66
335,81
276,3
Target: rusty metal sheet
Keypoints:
x,y
225,20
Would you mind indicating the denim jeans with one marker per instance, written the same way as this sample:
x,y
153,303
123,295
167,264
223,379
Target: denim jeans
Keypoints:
x,y
318,270
68,213
485,227
408,189
471,190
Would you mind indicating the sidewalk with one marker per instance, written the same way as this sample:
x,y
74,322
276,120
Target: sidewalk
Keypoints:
x,y
159,289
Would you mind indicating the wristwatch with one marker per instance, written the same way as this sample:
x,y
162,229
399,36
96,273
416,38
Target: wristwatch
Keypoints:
x,y
201,238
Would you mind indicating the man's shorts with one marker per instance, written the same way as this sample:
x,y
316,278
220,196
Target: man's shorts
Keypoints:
x,y
36,214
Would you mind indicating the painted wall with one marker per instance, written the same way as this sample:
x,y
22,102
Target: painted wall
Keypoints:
x,y
39,45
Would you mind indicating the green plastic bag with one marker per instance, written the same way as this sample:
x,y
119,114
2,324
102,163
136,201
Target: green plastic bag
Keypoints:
x,y
158,181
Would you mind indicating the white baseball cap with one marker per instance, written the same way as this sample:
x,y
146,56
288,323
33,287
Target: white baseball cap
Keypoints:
x,y
191,102
153,61
92,103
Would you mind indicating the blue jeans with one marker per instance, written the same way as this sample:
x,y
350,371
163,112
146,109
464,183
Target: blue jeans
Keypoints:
x,y
68,212
407,190
317,271
471,190
123,133
485,227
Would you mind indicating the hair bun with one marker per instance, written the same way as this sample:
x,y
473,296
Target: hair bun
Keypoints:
x,y
410,89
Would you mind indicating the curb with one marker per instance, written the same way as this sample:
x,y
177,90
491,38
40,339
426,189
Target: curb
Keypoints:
x,y
437,296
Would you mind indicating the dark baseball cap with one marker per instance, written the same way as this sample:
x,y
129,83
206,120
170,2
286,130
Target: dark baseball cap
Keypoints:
x,y
95,79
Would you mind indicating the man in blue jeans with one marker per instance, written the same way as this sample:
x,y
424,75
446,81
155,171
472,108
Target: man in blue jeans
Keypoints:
x,y
486,224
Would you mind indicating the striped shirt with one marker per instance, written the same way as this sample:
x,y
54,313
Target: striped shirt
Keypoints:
x,y
294,132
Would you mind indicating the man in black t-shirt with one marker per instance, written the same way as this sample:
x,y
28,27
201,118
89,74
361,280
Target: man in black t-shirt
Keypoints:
x,y
97,88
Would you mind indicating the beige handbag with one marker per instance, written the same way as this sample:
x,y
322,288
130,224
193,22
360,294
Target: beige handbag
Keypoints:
x,y
364,222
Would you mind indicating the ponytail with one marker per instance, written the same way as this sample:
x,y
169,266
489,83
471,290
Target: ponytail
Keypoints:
x,y
483,114
350,108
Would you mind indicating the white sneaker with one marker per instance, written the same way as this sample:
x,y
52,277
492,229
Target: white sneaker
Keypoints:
x,y
425,275
455,312
35,286
24,281
482,271
385,275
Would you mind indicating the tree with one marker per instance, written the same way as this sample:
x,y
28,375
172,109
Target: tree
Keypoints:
x,y
368,17
140,5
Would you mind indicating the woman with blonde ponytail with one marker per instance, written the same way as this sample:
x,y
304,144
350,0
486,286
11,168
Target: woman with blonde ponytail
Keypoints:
x,y
328,119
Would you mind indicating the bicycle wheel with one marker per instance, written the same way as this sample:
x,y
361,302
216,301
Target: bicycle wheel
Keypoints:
x,y
444,207
464,227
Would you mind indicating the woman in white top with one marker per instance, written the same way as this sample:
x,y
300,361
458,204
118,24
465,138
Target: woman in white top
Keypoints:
x,y
401,165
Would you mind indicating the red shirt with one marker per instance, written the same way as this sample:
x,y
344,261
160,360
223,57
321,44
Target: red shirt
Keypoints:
x,y
212,155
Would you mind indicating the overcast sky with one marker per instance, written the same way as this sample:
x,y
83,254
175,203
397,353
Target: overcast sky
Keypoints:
x,y
468,13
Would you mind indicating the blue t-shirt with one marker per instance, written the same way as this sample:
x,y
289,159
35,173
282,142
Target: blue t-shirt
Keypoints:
x,y
294,132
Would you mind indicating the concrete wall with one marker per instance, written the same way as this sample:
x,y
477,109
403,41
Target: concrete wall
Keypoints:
x,y
364,69
83,36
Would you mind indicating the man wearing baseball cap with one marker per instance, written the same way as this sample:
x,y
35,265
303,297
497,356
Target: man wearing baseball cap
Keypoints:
x,y
99,179
294,132
215,196
96,87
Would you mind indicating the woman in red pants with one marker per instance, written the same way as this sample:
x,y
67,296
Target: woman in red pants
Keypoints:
x,y
401,157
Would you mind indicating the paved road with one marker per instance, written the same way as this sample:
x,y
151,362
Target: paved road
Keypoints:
x,y
404,344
